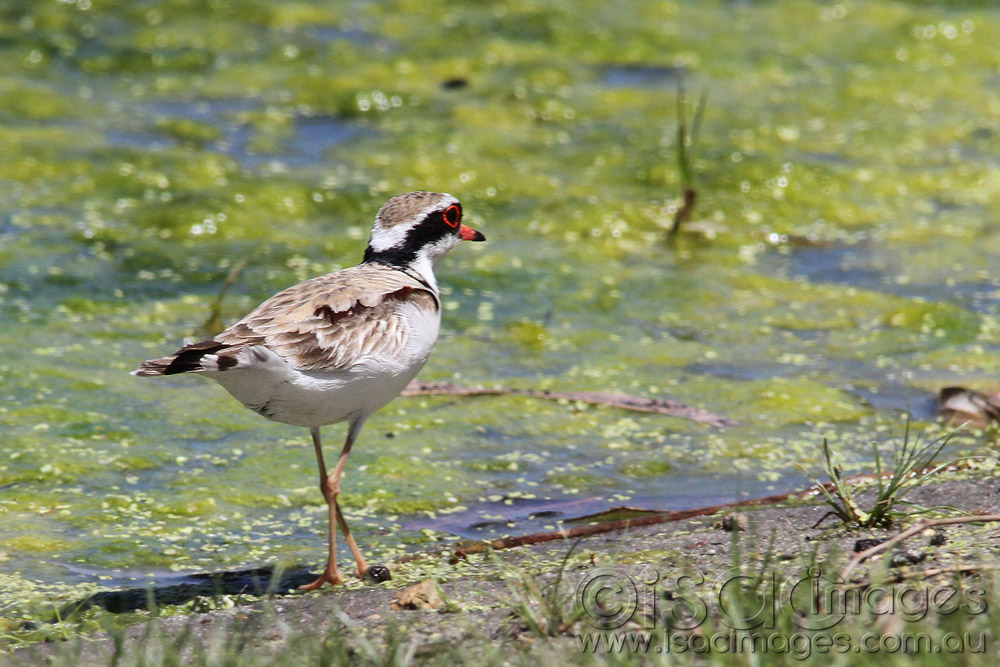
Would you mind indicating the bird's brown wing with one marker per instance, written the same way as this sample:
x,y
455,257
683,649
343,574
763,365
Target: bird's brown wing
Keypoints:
x,y
330,322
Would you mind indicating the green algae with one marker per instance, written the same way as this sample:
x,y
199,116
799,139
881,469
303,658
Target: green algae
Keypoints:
x,y
847,168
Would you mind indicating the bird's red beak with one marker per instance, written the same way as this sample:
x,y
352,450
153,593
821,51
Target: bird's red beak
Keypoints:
x,y
470,234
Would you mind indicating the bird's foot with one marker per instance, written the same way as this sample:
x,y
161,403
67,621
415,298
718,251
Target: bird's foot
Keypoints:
x,y
332,577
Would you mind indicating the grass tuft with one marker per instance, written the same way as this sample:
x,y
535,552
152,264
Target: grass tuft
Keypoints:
x,y
546,609
912,465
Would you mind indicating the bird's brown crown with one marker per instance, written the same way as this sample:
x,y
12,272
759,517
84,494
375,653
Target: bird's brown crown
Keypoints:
x,y
409,207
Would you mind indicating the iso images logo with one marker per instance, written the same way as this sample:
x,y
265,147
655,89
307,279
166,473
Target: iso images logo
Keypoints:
x,y
607,597
799,614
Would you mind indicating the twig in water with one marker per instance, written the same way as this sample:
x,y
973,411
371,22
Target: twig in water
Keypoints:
x,y
623,401
463,549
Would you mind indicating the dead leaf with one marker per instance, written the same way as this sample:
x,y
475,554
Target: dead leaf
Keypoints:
x,y
424,595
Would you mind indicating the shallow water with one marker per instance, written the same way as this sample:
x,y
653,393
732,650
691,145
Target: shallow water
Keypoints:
x,y
839,271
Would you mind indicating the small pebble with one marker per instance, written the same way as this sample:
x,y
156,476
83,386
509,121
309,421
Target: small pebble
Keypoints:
x,y
909,557
376,574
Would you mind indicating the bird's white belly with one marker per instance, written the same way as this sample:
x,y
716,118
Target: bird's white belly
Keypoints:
x,y
313,398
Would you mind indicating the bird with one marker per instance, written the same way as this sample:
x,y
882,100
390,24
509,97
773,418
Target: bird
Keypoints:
x,y
338,347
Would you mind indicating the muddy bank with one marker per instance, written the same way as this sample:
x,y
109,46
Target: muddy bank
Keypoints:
x,y
476,593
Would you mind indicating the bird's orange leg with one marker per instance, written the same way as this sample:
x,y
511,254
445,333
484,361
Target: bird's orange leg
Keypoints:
x,y
333,484
331,574
330,486
355,551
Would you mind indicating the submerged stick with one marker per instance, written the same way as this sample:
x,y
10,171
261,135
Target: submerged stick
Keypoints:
x,y
463,549
623,401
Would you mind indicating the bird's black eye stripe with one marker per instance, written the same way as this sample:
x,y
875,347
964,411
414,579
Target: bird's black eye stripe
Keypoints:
x,y
428,230
452,215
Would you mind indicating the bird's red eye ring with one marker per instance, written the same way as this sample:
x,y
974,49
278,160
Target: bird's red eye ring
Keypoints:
x,y
452,215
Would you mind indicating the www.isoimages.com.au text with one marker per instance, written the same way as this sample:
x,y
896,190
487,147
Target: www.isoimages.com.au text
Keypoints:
x,y
799,645
813,599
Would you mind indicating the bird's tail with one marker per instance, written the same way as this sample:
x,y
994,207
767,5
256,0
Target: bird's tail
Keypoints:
x,y
155,366
188,359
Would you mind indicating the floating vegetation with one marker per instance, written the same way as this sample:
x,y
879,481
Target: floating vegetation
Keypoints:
x,y
848,177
